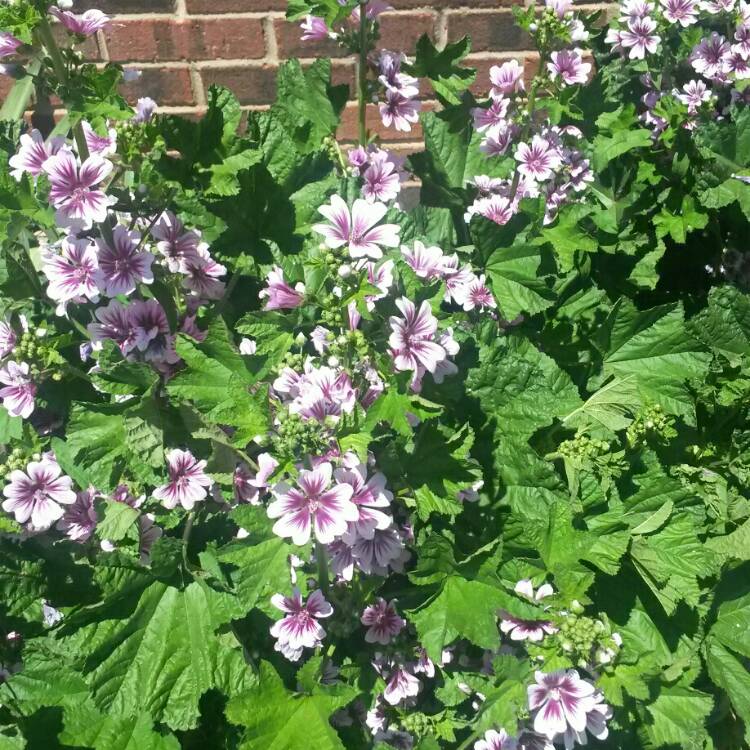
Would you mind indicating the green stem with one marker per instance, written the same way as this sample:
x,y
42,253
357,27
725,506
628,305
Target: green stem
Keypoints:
x,y
473,736
322,558
362,81
186,538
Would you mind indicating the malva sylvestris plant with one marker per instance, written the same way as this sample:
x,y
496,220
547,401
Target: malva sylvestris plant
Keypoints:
x,y
289,464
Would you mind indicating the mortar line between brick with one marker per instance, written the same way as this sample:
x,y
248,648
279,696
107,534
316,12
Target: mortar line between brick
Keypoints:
x,y
269,34
441,29
196,85
243,62
101,42
180,9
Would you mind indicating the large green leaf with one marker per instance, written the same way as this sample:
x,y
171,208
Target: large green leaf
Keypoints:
x,y
655,349
154,651
276,719
513,273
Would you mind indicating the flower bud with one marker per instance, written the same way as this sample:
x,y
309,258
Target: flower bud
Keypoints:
x,y
333,361
576,607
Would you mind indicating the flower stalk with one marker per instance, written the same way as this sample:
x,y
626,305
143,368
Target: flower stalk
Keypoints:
x,y
362,79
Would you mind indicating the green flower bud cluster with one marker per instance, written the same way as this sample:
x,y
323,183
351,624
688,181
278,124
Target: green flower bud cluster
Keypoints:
x,y
296,436
652,423
350,345
294,361
583,448
16,459
584,639
34,349
331,314
417,723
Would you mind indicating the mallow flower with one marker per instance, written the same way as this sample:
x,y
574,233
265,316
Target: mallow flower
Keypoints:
x,y
84,24
358,229
382,621
412,340
313,506
37,494
74,188
32,152
299,628
19,390
560,701
187,481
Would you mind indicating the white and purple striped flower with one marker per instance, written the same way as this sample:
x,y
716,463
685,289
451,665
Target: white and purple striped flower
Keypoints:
x,y
399,111
506,79
178,245
683,12
79,521
123,265
114,324
33,151
8,339
596,724
37,494
187,481
539,160
560,701
19,391
73,188
401,685
281,296
382,621
299,628
248,487
528,630
639,37
314,29
496,741
313,507
8,44
145,108
358,228
491,120
101,145
369,496
203,276
711,57
569,67
426,262
84,24
150,332
73,273
381,180
475,294
412,339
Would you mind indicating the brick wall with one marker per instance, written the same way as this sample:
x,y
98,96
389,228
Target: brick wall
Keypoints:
x,y
184,46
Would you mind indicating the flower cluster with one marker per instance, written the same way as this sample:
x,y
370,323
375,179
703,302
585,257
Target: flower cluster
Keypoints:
x,y
720,62
547,161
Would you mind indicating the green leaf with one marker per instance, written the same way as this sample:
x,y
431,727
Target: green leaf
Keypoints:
x,y
275,719
724,325
461,609
671,561
216,381
731,626
441,68
86,726
610,407
678,225
515,284
679,718
392,406
152,650
118,519
567,237
655,350
606,148
258,569
307,104
224,181
729,673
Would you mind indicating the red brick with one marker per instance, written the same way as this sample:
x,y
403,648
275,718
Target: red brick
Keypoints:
x,y
400,31
234,6
152,40
126,6
250,84
490,30
290,44
167,86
